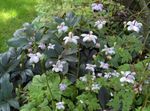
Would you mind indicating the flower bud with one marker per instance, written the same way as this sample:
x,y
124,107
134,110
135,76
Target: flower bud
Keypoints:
x,y
109,57
29,50
20,65
94,56
97,45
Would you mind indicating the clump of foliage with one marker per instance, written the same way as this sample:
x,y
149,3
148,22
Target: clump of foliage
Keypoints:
x,y
79,61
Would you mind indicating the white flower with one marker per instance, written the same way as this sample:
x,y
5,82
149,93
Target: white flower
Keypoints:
x,y
99,74
58,67
62,86
89,37
97,6
111,74
81,102
51,46
60,105
87,88
128,76
104,65
83,79
42,46
115,73
107,50
71,39
95,87
134,26
90,67
62,28
34,58
93,77
100,23
107,75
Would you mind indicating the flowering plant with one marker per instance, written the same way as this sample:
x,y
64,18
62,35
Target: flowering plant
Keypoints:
x,y
85,63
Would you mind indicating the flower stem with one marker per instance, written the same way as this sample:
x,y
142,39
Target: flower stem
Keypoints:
x,y
49,88
78,65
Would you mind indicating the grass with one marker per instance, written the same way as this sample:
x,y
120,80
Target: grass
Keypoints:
x,y
13,13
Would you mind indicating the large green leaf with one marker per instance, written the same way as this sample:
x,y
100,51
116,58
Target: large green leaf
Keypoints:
x,y
18,42
6,98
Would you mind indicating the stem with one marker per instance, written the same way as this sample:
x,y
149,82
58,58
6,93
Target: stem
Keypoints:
x,y
145,102
78,65
49,88
146,16
146,38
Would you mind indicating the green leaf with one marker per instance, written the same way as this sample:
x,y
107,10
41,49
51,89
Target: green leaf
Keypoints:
x,y
18,42
71,58
4,107
14,103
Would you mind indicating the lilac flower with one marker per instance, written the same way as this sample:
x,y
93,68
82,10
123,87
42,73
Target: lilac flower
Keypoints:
x,y
60,105
90,67
62,86
134,26
62,28
107,50
71,39
97,7
104,65
58,67
42,46
89,37
128,76
51,46
100,23
34,58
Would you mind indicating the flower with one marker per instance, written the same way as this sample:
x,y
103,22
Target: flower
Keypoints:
x,y
51,46
93,77
97,7
137,88
104,65
60,105
134,26
62,86
89,37
83,79
111,74
128,76
100,23
62,28
90,67
115,73
107,50
95,87
70,38
99,74
107,75
42,46
81,102
34,58
58,67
